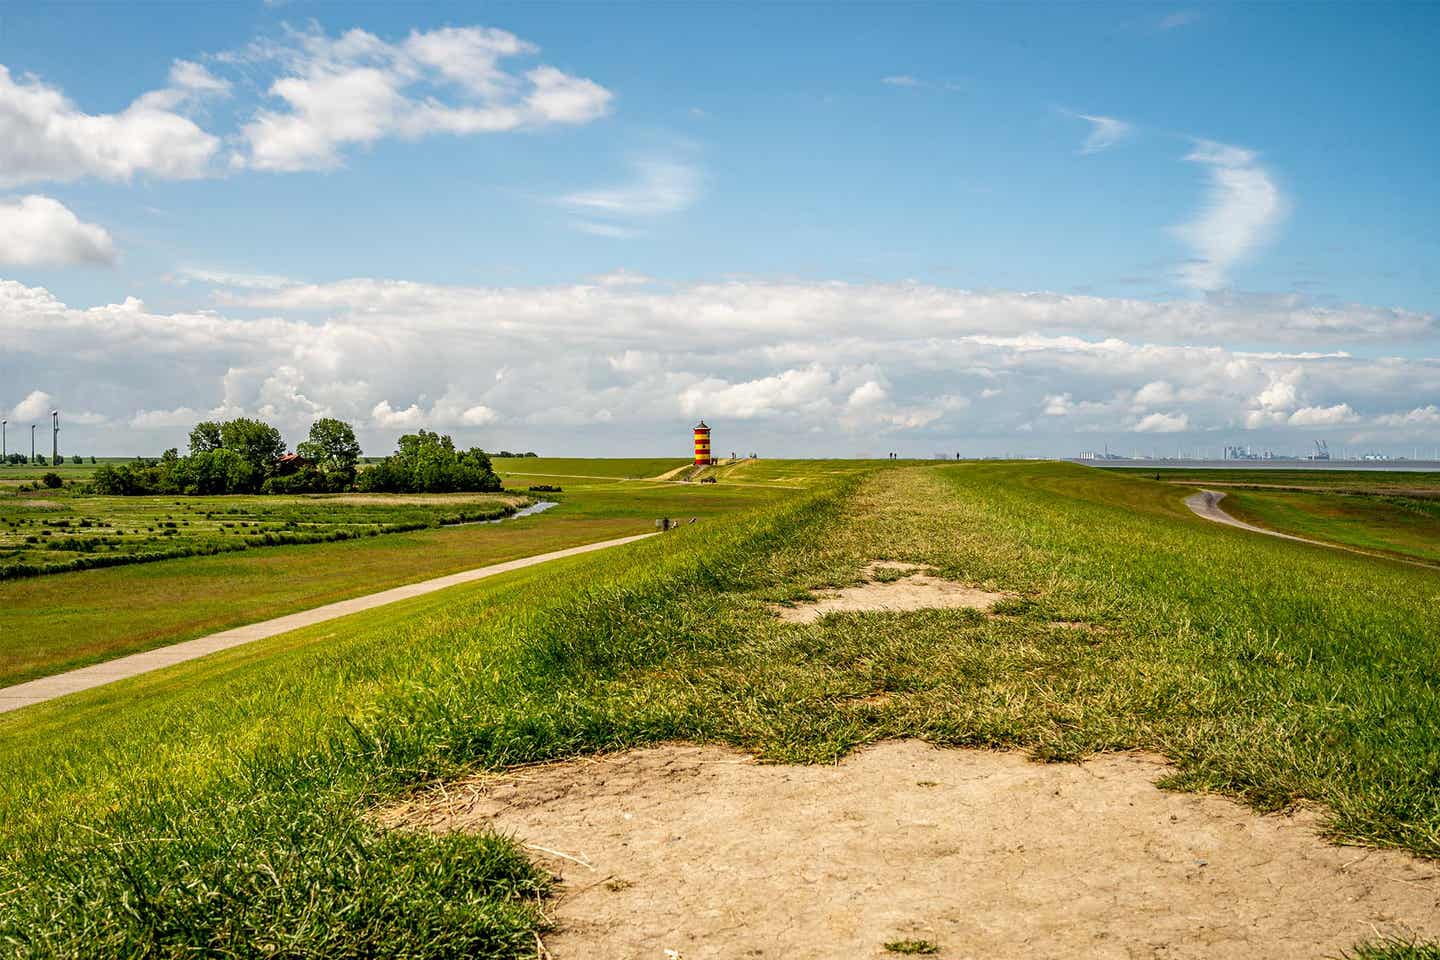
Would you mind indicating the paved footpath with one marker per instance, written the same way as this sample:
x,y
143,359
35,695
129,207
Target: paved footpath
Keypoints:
x,y
1206,504
48,688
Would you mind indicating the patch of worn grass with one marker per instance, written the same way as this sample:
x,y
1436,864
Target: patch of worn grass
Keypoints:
x,y
912,947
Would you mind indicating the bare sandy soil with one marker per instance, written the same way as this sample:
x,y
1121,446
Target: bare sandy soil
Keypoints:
x,y
915,590
699,852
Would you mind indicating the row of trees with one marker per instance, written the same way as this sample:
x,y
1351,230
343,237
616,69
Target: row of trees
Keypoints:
x,y
248,456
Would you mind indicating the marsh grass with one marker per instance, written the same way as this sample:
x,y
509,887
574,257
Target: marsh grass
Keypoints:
x,y
224,812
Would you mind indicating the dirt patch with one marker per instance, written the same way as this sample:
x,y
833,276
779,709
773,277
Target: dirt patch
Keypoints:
x,y
893,586
40,504
701,851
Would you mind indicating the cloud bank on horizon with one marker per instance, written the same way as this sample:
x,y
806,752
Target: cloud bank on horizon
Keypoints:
x,y
611,361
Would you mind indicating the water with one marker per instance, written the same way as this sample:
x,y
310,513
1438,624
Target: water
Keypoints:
x,y
531,510
534,508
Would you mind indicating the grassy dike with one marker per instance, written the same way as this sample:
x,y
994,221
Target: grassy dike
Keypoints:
x,y
222,813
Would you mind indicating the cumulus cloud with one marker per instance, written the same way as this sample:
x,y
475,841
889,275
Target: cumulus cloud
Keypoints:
x,y
1163,423
45,137
40,231
793,367
37,404
1242,207
356,89
1330,416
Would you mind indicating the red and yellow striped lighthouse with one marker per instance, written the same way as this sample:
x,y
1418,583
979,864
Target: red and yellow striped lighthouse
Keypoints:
x,y
702,445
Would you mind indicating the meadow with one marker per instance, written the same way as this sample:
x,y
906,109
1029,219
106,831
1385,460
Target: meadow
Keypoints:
x,y
1394,513
221,807
137,607
51,531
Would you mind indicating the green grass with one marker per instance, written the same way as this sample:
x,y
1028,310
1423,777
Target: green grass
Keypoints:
x,y
27,473
44,532
63,621
522,468
1400,526
220,806
1335,479
911,947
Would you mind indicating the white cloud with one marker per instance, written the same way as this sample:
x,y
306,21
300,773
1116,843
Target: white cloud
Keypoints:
x,y
40,231
1241,210
659,186
622,278
1155,392
814,367
37,404
356,89
1163,423
383,415
45,137
1426,416
233,279
900,80
1105,132
610,230
1322,416
868,394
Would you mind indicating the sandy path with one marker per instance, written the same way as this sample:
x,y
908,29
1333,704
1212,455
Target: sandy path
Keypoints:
x,y
701,851
1206,504
48,688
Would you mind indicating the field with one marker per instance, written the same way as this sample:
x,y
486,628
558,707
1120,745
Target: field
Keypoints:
x,y
221,806
522,469
141,606
1388,513
57,529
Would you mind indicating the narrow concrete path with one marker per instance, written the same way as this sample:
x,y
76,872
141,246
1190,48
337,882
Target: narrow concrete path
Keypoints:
x,y
73,681
1206,504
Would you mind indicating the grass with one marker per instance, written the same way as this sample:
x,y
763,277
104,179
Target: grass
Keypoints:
x,y
523,468
219,806
133,608
1400,526
1362,481
911,947
46,532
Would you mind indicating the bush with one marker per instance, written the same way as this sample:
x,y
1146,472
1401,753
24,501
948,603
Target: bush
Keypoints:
x,y
52,480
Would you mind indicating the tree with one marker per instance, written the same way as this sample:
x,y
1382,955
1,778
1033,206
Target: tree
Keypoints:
x,y
52,480
334,451
427,462
77,458
258,443
205,437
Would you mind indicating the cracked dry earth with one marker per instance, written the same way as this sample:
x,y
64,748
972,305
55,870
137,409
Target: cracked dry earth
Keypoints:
x,y
701,851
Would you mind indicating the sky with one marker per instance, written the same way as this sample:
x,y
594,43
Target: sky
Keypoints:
x,y
998,229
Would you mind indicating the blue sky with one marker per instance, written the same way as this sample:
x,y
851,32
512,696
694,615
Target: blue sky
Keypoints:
x,y
989,228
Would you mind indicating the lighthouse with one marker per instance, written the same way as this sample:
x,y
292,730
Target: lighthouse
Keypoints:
x,y
702,445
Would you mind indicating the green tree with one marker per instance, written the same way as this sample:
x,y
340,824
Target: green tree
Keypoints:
x,y
258,443
205,437
334,451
